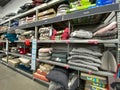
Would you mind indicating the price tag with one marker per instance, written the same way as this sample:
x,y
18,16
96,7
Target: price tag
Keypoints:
x,y
34,48
67,41
66,66
93,41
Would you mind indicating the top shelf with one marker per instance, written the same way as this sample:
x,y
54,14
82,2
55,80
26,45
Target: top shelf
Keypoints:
x,y
45,5
74,15
93,11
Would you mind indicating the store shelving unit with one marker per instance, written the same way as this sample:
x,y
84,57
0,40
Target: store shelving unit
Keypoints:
x,y
79,41
67,17
77,14
67,66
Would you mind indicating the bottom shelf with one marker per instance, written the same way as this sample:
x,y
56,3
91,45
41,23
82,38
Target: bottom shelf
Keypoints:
x,y
25,73
41,81
18,70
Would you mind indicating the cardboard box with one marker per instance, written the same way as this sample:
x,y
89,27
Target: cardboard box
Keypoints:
x,y
94,78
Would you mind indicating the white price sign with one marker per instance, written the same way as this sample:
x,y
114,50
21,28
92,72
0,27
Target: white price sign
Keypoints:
x,y
34,48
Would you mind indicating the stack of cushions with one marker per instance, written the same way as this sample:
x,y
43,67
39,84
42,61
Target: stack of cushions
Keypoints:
x,y
11,35
106,31
62,9
25,61
13,62
25,7
44,53
108,62
62,80
59,56
25,34
46,14
42,71
81,34
85,58
27,20
45,33
28,34
61,34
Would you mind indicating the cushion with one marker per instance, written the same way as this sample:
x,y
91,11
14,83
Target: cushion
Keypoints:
x,y
82,34
59,77
82,57
44,58
45,50
85,62
43,54
41,77
24,60
107,28
86,51
108,62
83,65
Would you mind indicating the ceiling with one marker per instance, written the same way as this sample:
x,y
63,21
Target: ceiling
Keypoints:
x,y
3,2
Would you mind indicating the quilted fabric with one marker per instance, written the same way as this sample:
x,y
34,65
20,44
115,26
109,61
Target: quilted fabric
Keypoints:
x,y
58,76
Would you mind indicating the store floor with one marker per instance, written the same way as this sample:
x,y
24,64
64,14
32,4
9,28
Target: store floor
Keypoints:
x,y
12,80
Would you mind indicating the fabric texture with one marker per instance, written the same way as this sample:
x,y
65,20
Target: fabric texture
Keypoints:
x,y
86,51
85,58
59,76
107,28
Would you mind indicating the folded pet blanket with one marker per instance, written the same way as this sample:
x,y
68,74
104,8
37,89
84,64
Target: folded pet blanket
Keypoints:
x,y
84,58
86,51
107,28
83,66
85,62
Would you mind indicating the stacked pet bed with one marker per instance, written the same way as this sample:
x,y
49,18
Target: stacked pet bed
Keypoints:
x,y
45,33
42,71
44,53
106,31
85,58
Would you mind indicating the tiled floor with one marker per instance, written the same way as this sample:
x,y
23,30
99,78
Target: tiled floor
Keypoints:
x,y
12,80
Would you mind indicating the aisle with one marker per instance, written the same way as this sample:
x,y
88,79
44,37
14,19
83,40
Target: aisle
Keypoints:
x,y
11,80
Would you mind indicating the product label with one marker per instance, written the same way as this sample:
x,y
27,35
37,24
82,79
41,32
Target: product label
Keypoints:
x,y
34,48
